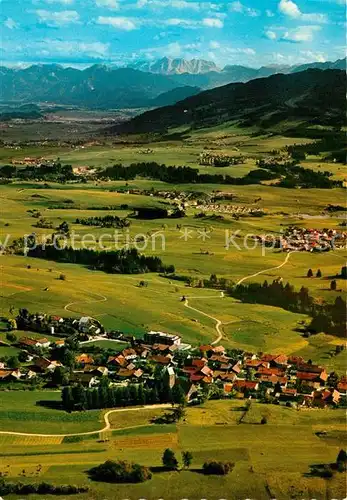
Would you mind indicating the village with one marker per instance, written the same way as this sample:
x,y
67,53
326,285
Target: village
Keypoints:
x,y
206,371
301,239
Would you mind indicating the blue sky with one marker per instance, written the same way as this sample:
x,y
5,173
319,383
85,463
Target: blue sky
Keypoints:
x,y
248,32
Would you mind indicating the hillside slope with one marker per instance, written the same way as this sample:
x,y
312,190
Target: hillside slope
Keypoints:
x,y
306,96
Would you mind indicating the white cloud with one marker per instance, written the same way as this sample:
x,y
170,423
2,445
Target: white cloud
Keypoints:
x,y
71,48
11,24
290,9
58,18
271,35
176,4
122,23
301,57
108,4
183,23
314,18
214,44
301,34
237,6
210,22
310,56
269,13
174,49
230,51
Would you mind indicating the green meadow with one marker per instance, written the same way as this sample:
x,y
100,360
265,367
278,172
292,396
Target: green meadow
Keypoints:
x,y
209,432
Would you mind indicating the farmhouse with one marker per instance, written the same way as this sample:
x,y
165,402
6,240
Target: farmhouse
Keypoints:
x,y
45,365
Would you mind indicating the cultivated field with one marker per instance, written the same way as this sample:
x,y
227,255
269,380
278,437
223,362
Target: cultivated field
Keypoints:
x,y
209,432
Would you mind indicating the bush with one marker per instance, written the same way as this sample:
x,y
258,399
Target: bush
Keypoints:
x,y
169,460
120,472
218,468
39,488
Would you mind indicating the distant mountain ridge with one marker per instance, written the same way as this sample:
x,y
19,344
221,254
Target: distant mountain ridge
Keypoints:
x,y
106,87
305,96
167,66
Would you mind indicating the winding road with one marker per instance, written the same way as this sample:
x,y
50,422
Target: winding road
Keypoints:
x,y
218,321
107,426
266,270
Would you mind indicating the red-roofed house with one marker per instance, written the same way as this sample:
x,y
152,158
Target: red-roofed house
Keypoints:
x,y
325,397
245,385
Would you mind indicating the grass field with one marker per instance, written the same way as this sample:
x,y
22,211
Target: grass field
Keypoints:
x,y
33,283
32,412
209,432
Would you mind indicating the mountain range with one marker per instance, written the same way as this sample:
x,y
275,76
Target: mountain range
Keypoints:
x,y
106,87
178,66
305,97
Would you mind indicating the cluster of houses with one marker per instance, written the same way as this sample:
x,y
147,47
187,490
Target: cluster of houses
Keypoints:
x,y
219,159
31,161
280,377
283,379
312,240
275,378
231,209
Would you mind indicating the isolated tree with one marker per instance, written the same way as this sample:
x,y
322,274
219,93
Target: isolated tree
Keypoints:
x,y
187,458
68,358
141,395
22,356
11,337
178,413
67,398
178,395
169,459
13,362
309,273
333,285
64,228
59,376
342,456
319,274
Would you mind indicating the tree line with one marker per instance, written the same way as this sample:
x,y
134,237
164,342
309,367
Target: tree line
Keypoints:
x,y
123,261
81,398
326,317
293,175
43,488
106,221
55,173
178,175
